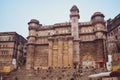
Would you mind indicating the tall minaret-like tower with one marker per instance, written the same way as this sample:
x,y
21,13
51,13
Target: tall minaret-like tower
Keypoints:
x,y
33,25
74,19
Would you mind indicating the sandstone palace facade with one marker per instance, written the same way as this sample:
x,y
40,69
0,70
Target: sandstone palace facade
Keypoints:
x,y
68,44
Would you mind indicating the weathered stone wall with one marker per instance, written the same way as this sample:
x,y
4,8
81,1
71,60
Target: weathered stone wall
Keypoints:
x,y
99,49
41,56
91,52
87,47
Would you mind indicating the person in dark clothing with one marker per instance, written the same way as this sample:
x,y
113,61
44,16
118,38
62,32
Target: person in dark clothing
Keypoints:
x,y
72,79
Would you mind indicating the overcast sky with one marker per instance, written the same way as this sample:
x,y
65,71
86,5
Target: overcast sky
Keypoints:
x,y
15,14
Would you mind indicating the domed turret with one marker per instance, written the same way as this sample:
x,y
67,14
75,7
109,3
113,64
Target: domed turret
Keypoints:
x,y
74,12
74,8
33,24
97,20
33,21
97,17
97,14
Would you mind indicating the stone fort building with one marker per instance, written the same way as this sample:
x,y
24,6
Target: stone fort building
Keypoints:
x,y
11,50
113,39
67,44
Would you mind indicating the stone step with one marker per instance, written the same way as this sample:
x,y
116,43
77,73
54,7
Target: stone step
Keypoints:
x,y
57,74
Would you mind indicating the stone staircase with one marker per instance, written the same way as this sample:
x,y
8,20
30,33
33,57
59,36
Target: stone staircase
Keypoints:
x,y
53,74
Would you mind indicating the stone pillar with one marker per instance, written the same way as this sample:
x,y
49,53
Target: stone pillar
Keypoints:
x,y
55,58
70,52
50,53
76,51
30,57
60,52
55,53
65,52
65,58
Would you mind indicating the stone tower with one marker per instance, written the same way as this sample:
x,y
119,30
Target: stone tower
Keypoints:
x,y
33,25
74,19
98,21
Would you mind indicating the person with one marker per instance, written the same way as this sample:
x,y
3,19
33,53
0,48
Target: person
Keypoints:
x,y
72,79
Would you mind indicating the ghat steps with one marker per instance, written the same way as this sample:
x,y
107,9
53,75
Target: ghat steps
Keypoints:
x,y
53,74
